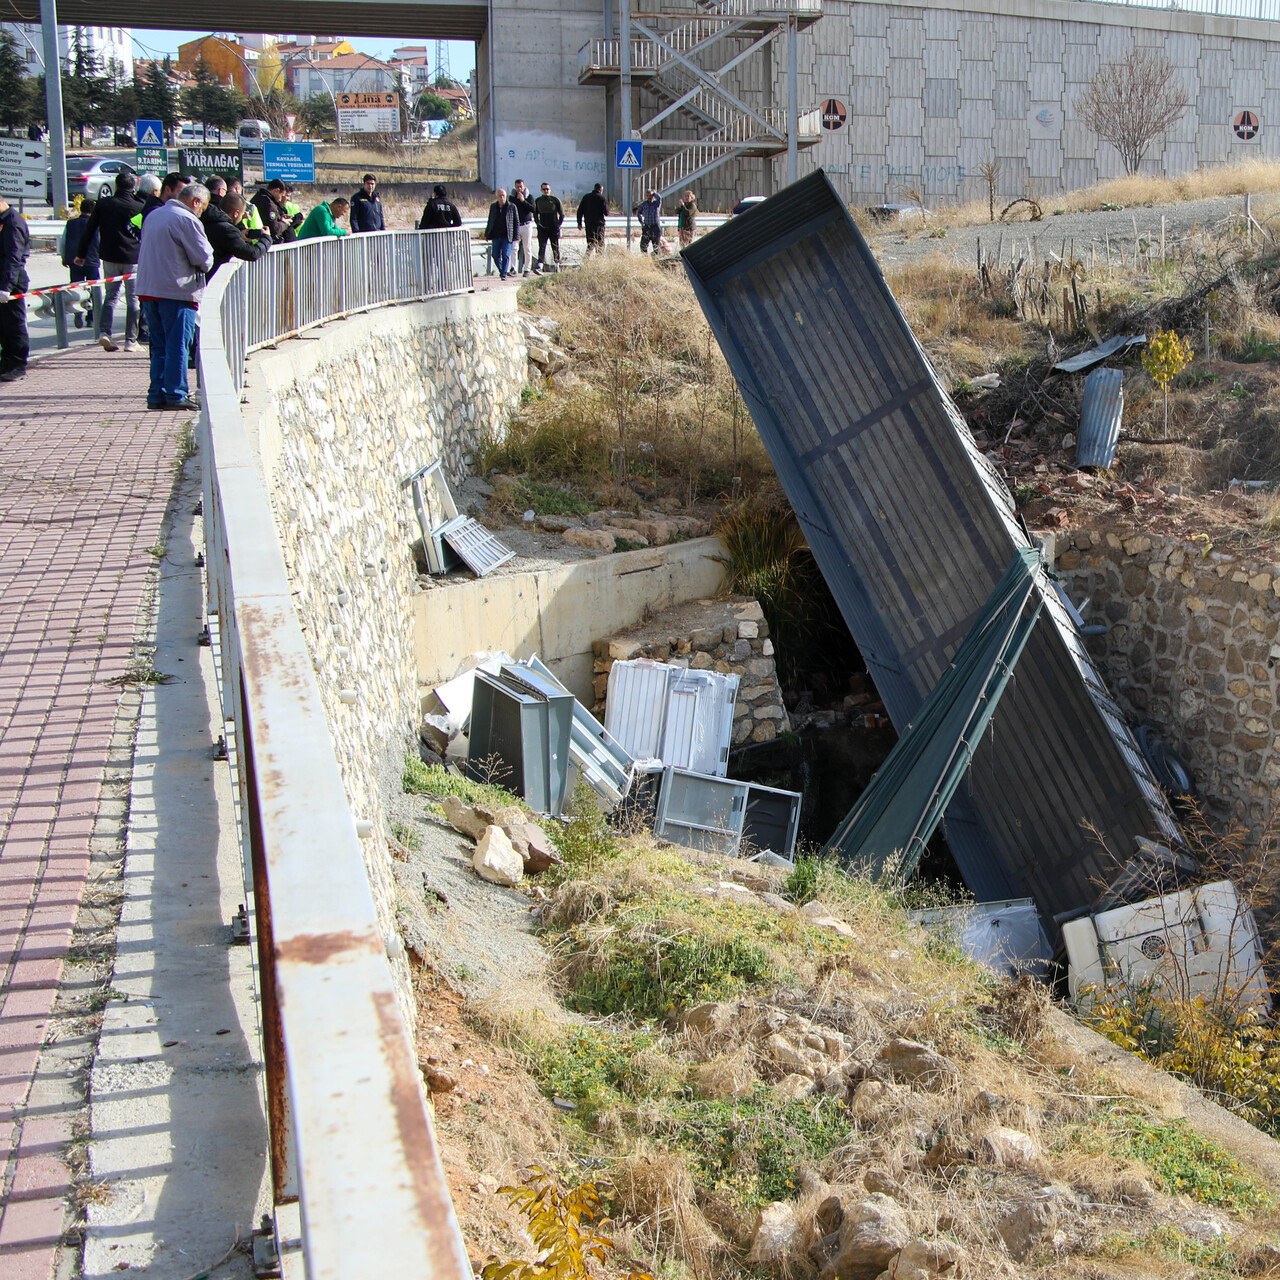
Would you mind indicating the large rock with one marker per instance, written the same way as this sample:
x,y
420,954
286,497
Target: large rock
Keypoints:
x,y
533,845
872,1232
1030,1218
918,1065
1008,1149
793,1086
798,1058
776,1235
925,1260
591,539
463,818
496,860
709,1019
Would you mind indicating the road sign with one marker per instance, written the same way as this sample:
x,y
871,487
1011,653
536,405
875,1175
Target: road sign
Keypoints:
x,y
289,161
1247,125
369,112
208,162
629,155
834,114
152,160
148,133
22,168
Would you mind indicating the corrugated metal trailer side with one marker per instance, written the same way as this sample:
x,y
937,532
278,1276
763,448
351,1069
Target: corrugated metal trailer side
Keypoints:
x,y
912,529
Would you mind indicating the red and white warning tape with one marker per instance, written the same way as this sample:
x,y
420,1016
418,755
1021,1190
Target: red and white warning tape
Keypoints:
x,y
76,284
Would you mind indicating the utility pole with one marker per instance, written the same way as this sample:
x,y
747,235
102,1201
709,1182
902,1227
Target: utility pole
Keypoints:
x,y
57,134
624,66
610,103
793,110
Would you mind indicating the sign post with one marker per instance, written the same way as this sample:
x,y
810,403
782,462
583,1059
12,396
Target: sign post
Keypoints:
x,y
368,112
57,136
289,161
209,162
22,169
628,155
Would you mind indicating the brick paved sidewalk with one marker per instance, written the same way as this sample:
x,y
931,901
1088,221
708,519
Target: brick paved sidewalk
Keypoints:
x,y
86,473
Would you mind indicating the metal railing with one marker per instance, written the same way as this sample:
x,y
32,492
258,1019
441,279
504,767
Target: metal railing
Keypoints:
x,y
298,286
358,1185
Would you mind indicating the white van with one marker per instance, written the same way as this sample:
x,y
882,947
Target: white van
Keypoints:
x,y
251,134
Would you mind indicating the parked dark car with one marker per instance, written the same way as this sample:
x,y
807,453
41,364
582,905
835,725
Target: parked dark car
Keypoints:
x,y
747,202
91,176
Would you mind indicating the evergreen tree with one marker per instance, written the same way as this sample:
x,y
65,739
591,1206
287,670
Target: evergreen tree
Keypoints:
x,y
157,98
15,88
210,102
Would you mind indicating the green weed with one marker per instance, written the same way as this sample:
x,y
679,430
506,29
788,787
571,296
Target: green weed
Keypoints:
x,y
421,779
407,836
551,500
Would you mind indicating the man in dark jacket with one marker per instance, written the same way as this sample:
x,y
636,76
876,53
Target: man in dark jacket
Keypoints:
x,y
366,206
439,212
15,245
221,224
650,214
501,229
548,213
269,202
593,209
112,222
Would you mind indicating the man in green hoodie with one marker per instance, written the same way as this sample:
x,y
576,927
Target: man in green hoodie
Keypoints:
x,y
322,220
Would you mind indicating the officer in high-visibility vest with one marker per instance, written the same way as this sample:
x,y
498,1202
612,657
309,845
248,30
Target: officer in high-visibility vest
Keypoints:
x,y
252,220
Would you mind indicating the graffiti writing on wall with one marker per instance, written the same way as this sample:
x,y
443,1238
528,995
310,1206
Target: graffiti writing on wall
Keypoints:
x,y
545,157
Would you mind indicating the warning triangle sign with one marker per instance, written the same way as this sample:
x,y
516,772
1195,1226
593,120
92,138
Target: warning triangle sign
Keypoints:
x,y
628,160
150,138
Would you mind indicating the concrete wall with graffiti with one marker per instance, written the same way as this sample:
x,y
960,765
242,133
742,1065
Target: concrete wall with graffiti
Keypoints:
x,y
930,93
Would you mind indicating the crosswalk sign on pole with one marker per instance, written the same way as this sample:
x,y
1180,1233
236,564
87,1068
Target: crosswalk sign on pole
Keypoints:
x,y
629,154
149,133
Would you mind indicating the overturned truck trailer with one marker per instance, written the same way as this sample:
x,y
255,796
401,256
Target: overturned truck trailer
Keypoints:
x,y
912,529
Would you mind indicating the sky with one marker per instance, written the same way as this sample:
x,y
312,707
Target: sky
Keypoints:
x,y
461,54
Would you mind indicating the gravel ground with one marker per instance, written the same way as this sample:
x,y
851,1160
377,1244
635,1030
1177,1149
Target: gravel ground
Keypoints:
x,y
1086,229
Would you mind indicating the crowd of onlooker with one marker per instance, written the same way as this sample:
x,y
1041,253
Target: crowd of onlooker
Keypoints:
x,y
162,239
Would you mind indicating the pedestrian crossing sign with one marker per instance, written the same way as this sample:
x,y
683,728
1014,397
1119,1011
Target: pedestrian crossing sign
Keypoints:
x,y
149,133
629,154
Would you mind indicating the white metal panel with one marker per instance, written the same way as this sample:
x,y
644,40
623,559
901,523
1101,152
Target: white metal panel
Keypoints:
x,y
636,705
678,738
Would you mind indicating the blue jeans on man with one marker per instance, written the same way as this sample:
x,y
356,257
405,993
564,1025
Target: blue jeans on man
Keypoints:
x,y
172,325
502,256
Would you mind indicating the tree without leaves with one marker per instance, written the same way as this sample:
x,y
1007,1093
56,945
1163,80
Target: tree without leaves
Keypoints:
x,y
1132,103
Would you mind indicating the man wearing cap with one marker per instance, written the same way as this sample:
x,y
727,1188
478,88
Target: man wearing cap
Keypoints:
x,y
650,214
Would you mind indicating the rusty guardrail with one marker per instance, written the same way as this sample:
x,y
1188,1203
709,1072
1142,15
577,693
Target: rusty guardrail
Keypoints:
x,y
358,1185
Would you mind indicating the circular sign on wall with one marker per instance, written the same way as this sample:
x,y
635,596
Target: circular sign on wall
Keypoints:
x,y
1246,125
834,114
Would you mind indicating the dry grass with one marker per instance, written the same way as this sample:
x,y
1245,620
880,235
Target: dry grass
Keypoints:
x,y
651,407
1256,177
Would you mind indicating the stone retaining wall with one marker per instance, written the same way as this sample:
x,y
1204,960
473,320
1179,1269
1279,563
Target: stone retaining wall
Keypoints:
x,y
1193,646
728,635
340,418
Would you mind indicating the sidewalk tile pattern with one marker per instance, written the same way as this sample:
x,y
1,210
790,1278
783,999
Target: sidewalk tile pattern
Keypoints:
x,y
86,473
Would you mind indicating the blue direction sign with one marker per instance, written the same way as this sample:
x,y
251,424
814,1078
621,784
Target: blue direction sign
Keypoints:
x,y
629,154
289,161
148,133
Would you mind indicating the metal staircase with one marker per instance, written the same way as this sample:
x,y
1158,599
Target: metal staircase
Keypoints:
x,y
683,56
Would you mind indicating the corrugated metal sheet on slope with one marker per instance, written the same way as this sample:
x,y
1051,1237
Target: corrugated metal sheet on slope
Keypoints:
x,y
912,529
1100,417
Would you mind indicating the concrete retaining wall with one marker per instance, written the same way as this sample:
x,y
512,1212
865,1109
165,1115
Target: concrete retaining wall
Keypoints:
x,y
1194,645
340,418
559,613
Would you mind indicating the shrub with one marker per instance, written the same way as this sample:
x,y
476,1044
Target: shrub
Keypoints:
x,y
585,841
421,779
650,975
